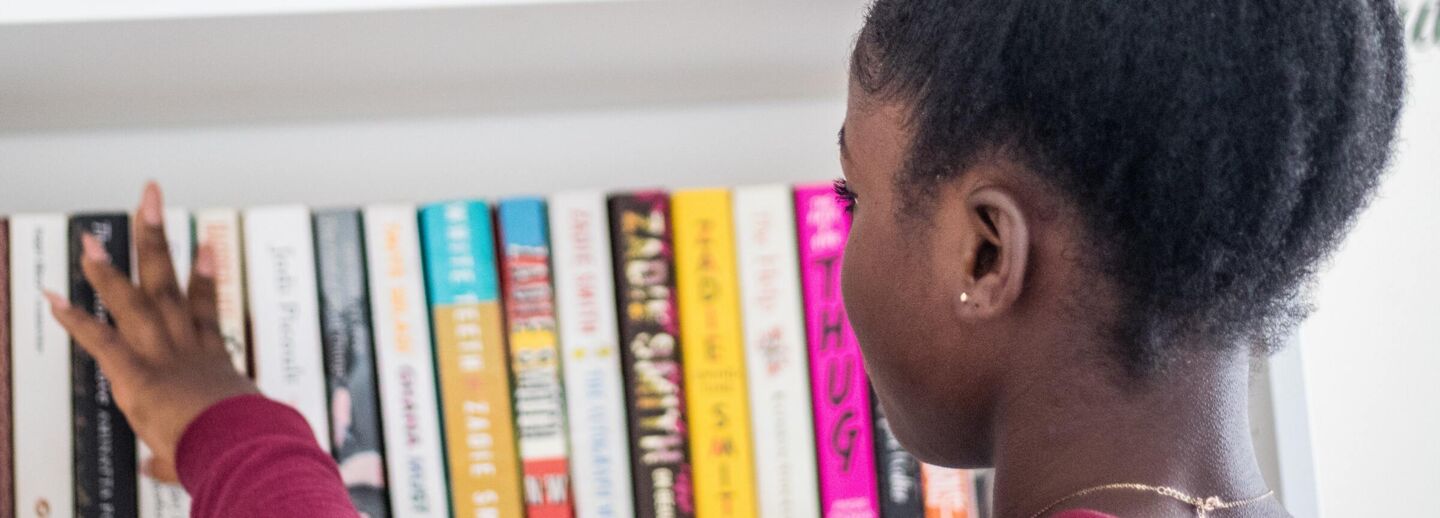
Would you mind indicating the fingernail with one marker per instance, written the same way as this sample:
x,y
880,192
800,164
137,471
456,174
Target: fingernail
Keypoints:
x,y
56,301
205,262
150,205
94,251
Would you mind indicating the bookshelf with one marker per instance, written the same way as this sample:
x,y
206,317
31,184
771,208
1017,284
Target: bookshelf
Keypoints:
x,y
343,102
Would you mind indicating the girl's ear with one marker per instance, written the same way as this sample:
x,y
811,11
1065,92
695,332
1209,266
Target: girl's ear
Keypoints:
x,y
994,256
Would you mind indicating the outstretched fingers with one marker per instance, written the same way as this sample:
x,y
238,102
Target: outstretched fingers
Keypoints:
x,y
94,336
154,268
131,310
203,301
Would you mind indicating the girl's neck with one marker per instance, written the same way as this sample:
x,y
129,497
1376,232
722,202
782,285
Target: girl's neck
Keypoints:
x,y
1077,429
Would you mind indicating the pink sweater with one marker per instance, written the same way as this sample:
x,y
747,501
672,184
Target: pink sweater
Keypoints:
x,y
250,456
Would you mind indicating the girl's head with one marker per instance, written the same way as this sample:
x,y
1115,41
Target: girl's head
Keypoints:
x,y
1106,191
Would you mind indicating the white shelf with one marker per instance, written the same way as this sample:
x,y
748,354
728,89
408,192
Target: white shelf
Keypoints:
x,y
478,57
66,11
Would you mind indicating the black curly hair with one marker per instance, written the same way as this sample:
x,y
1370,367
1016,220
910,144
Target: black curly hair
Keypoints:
x,y
1216,150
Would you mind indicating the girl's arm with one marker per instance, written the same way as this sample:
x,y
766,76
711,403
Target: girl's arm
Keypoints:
x,y
238,453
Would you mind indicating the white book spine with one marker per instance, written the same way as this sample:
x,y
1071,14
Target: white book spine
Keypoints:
x,y
594,389
405,363
280,253
775,352
157,499
220,230
40,360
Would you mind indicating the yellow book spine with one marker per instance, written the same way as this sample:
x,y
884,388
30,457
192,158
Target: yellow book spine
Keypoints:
x,y
475,390
713,351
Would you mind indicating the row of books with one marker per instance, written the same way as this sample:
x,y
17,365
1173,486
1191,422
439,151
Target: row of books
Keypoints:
x,y
645,354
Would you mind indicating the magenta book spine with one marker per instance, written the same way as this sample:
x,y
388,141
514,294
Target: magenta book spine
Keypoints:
x,y
845,446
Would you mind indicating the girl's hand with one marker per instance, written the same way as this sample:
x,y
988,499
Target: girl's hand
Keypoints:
x,y
165,358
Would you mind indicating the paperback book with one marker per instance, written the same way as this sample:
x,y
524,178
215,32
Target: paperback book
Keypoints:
x,y
350,359
219,229
899,474
594,386
775,356
464,289
285,312
104,461
710,338
43,433
535,357
844,440
949,493
650,355
405,363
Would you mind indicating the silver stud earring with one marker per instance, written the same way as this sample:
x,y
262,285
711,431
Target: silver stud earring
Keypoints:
x,y
964,296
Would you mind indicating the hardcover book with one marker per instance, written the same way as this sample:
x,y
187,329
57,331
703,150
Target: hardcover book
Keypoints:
x,y
535,357
104,461
285,310
349,359
589,341
899,471
7,493
39,260
777,363
710,338
843,427
159,499
405,363
949,493
464,290
650,355
220,230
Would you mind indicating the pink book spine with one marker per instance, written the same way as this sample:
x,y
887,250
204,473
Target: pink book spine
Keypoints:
x,y
840,391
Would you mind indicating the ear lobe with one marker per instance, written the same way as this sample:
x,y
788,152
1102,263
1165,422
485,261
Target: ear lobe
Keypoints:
x,y
994,265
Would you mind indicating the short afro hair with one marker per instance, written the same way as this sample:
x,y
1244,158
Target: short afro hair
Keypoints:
x,y
1216,151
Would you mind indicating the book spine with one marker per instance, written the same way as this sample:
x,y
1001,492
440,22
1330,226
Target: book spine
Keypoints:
x,y
464,290
158,499
899,474
949,493
405,362
709,304
650,355
535,357
105,465
846,446
284,308
219,229
349,359
7,486
776,359
589,338
41,380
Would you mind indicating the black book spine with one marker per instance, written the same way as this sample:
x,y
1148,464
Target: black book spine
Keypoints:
x,y
899,472
105,485
350,358
650,355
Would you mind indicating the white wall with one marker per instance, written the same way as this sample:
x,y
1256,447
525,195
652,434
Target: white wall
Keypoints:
x,y
1372,348
352,162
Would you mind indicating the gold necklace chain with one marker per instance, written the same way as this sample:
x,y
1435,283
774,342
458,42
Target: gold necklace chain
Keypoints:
x,y
1203,506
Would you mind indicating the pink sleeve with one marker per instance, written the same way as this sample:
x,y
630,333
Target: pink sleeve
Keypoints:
x,y
250,456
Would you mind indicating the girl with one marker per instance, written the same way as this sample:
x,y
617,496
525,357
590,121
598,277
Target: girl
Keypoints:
x,y
1075,224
